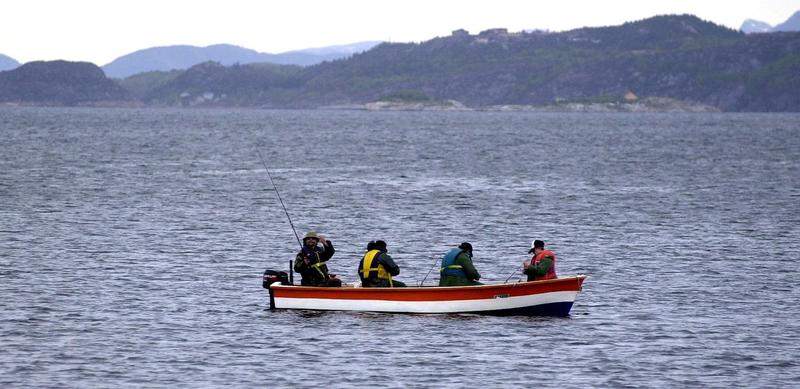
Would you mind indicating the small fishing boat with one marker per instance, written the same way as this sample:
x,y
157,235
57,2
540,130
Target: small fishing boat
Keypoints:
x,y
552,297
534,298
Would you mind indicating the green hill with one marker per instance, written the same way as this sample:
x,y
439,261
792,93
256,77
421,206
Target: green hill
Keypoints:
x,y
59,83
677,56
210,83
661,59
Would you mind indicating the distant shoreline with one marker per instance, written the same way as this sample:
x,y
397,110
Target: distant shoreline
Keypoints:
x,y
650,104
637,107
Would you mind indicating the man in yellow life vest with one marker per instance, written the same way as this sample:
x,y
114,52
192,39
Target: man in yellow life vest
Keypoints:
x,y
377,267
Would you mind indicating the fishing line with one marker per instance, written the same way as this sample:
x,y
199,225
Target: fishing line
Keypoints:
x,y
429,272
512,274
280,199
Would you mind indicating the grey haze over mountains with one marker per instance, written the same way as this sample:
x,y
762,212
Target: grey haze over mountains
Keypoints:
x,y
754,26
7,63
181,57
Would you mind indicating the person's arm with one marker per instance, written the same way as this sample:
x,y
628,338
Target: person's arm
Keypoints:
x,y
328,251
527,267
388,263
299,262
542,268
469,269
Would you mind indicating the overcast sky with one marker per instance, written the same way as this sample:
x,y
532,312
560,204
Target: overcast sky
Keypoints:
x,y
101,30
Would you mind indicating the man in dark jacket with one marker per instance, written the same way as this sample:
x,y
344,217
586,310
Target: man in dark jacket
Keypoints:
x,y
310,262
457,268
377,267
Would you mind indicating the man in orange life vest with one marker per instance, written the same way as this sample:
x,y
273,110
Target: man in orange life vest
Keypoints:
x,y
542,266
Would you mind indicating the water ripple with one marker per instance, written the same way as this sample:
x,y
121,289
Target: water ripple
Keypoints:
x,y
132,243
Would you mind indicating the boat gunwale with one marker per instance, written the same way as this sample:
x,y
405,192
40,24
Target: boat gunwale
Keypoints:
x,y
431,293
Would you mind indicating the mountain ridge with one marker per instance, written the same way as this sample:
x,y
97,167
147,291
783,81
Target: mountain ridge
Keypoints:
x,y
791,24
667,58
750,26
179,57
673,56
7,63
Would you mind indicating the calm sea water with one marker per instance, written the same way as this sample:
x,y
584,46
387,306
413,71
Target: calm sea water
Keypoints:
x,y
132,244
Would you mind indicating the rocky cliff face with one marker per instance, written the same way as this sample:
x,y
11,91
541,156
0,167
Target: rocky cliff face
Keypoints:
x,y
59,83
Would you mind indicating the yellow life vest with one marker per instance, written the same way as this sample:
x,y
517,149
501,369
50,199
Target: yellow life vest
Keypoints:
x,y
318,265
367,270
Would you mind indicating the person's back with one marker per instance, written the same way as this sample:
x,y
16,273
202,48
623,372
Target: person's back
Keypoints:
x,y
457,268
377,267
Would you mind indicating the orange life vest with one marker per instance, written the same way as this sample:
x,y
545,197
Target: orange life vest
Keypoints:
x,y
551,272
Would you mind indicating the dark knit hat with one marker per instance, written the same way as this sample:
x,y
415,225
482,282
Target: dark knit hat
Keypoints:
x,y
379,245
465,246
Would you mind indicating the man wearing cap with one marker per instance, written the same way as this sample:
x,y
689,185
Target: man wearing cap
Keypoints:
x,y
457,268
542,266
377,267
310,262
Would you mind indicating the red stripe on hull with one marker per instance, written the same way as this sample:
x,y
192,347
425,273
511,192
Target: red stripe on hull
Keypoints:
x,y
432,293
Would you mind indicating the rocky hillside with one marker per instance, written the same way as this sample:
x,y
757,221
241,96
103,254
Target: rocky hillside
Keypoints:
x,y
210,83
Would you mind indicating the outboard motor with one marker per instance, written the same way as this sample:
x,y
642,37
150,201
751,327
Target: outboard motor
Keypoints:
x,y
273,276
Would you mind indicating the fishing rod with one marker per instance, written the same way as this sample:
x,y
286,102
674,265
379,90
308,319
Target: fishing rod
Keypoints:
x,y
512,274
504,269
429,272
280,199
